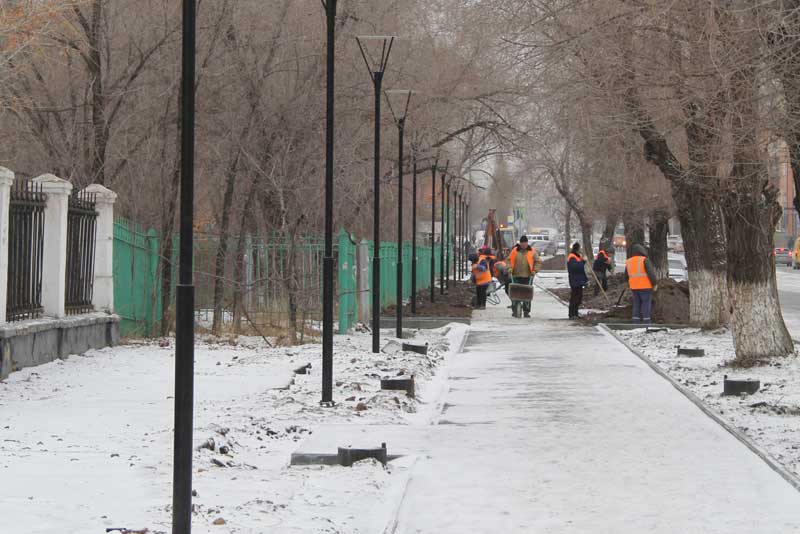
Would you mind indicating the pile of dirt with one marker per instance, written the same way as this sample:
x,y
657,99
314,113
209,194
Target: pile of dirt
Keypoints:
x,y
456,302
670,302
556,263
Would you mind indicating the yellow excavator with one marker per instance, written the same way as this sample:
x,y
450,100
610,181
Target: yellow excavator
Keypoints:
x,y
498,237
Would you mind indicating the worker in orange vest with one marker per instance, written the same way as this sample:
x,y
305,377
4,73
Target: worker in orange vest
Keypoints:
x,y
523,270
576,267
640,274
601,267
481,276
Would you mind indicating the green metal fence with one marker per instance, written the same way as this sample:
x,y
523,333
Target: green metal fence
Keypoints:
x,y
270,268
137,283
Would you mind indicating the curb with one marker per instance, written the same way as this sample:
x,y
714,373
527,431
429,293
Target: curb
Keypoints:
x,y
789,477
392,523
551,294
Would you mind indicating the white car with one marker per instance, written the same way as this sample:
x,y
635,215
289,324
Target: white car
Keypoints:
x,y
678,269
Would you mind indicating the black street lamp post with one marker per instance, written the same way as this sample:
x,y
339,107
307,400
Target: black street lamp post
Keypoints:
x,y
433,232
464,235
448,232
327,260
376,67
184,305
413,228
457,241
402,99
443,235
466,222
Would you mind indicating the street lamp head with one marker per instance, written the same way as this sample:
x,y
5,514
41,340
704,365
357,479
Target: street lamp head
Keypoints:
x,y
375,50
399,100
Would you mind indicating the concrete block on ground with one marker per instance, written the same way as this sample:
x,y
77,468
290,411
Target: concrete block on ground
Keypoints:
x,y
322,447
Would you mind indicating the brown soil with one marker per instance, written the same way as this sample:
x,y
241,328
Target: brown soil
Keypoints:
x,y
670,302
456,302
556,263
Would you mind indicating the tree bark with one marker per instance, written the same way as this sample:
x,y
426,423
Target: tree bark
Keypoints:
x,y
658,231
752,211
94,65
222,250
634,230
612,219
586,235
757,324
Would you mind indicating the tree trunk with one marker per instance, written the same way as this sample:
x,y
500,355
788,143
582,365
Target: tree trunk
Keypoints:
x,y
238,264
167,227
704,241
586,235
292,287
658,230
634,230
612,219
752,212
757,325
222,247
94,65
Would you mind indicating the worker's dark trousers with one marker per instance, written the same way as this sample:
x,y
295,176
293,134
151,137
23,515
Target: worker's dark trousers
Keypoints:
x,y
481,298
575,298
642,304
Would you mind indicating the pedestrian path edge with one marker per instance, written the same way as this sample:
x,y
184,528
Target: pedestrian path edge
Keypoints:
x,y
787,475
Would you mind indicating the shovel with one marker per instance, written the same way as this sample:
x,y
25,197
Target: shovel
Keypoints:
x,y
603,291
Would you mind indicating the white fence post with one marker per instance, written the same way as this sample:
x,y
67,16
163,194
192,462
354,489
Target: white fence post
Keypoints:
x,y
103,288
54,275
6,181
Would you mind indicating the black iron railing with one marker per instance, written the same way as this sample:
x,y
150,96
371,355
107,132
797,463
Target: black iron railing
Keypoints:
x,y
81,231
25,251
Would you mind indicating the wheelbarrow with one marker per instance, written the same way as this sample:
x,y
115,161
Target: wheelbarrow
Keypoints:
x,y
520,293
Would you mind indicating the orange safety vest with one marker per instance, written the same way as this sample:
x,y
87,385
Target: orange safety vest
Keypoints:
x,y
604,254
528,255
497,266
482,278
574,256
637,274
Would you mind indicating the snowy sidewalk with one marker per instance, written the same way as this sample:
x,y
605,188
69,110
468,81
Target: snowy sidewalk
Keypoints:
x,y
554,428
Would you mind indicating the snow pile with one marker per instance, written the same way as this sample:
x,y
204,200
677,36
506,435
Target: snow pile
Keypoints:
x,y
770,417
86,443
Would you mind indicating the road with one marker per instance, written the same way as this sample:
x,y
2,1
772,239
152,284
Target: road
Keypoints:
x,y
789,295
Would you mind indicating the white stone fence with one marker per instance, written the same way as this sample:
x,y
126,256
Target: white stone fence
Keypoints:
x,y
54,260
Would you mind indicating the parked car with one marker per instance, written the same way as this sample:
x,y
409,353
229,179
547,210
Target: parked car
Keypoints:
x,y
538,237
545,248
783,256
678,269
675,244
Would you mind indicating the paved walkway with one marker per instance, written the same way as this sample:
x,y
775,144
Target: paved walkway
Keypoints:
x,y
554,428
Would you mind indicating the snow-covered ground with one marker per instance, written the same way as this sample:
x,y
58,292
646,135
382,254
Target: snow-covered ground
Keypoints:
x,y
86,443
770,417
552,279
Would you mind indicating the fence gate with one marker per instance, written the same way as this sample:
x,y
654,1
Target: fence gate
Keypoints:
x,y
81,231
25,251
